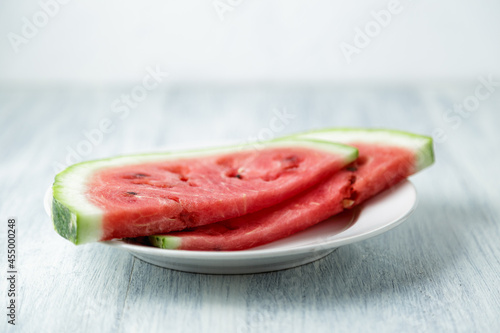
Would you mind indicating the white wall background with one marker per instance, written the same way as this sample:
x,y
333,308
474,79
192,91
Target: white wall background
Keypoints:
x,y
98,42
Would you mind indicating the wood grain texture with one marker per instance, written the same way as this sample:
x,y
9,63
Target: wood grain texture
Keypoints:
x,y
438,272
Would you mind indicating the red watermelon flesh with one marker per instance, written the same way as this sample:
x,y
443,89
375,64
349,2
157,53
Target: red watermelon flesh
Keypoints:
x,y
377,168
151,198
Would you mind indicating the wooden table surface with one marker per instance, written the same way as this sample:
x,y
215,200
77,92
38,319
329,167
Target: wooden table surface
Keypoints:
x,y
437,272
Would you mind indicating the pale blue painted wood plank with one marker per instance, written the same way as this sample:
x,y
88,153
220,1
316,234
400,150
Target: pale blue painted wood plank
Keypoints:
x,y
437,272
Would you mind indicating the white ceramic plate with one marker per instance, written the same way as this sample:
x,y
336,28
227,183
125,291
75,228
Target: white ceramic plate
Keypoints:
x,y
374,217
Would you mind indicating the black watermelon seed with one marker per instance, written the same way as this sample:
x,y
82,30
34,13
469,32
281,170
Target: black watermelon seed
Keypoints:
x,y
352,168
132,193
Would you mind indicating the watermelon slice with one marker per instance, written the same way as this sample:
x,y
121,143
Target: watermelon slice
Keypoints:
x,y
385,158
141,195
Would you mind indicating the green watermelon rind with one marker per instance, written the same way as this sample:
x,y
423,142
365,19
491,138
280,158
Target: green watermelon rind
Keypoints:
x,y
165,242
78,220
421,145
64,220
